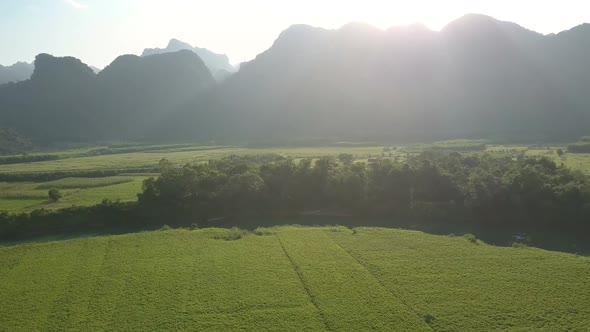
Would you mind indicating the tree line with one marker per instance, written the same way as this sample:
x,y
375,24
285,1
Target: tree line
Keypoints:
x,y
522,193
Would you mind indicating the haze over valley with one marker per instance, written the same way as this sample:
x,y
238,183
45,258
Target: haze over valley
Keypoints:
x,y
343,177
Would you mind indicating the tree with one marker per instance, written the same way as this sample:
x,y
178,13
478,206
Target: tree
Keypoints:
x,y
54,195
560,152
346,158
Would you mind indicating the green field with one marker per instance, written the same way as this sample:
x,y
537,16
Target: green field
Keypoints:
x,y
27,196
178,156
293,278
71,161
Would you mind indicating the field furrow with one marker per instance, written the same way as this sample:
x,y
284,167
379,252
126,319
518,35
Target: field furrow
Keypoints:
x,y
348,296
176,280
476,287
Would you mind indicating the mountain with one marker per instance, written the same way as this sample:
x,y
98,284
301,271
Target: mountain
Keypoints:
x,y
96,70
477,77
218,64
19,71
11,142
64,100
144,90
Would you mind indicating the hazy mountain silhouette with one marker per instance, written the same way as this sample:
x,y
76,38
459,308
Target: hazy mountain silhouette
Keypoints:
x,y
64,100
19,71
96,70
476,77
218,64
53,104
143,90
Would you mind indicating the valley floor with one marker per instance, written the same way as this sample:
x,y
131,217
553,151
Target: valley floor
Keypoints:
x,y
290,278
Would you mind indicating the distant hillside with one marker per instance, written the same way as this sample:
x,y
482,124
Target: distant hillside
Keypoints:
x,y
19,71
218,64
12,143
478,77
64,100
140,91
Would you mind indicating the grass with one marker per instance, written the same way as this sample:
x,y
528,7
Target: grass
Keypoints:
x,y
126,191
149,156
26,196
577,161
459,145
87,191
80,183
178,156
292,279
20,205
476,288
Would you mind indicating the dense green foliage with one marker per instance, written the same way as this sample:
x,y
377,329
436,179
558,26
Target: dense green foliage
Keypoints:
x,y
525,194
528,192
54,195
291,279
26,158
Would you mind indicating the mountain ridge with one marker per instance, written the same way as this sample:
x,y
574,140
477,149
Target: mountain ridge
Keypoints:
x,y
477,78
217,63
16,72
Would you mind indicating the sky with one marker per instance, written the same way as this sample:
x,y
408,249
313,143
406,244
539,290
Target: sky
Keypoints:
x,y
97,31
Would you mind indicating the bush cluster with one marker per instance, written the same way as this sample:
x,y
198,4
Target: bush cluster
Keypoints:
x,y
526,193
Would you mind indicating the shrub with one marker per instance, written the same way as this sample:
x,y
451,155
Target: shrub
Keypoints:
x,y
519,245
337,229
54,195
233,234
263,231
165,228
560,152
471,238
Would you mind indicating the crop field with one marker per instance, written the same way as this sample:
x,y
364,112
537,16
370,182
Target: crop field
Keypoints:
x,y
27,196
146,157
178,156
577,161
290,278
